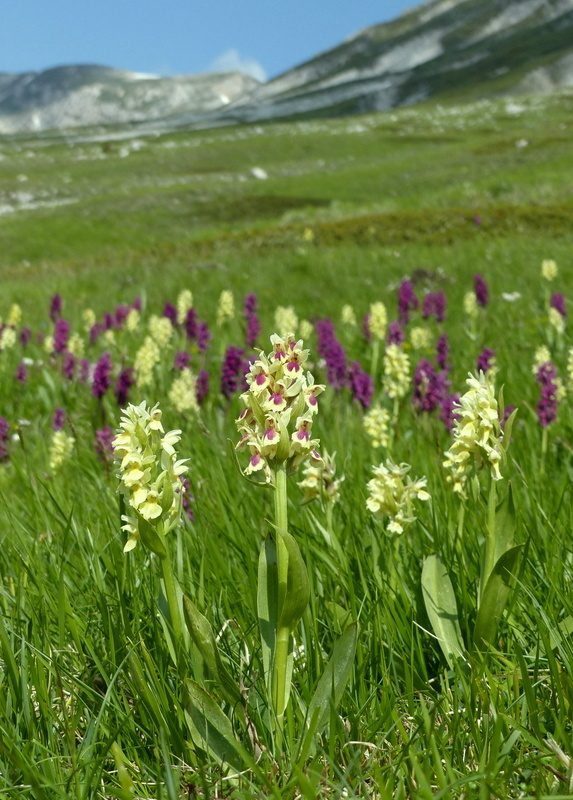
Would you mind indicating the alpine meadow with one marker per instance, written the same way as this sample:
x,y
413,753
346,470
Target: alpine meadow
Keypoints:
x,y
286,457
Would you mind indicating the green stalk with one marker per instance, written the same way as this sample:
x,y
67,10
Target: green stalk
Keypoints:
x,y
282,632
543,451
490,549
170,584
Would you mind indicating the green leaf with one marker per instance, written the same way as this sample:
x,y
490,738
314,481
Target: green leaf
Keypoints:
x,y
504,525
202,635
267,604
440,602
297,592
149,536
211,729
494,599
333,680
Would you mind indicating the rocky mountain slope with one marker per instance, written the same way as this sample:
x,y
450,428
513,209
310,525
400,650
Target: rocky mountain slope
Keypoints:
x,y
451,49
65,97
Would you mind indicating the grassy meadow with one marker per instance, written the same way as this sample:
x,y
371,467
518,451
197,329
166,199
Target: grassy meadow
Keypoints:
x,y
104,694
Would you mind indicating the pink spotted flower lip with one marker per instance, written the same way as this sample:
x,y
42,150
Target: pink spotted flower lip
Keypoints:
x,y
280,406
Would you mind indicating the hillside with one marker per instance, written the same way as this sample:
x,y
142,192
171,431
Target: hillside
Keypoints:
x,y
448,49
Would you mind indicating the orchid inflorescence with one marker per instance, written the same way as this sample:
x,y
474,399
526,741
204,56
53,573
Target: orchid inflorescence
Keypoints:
x,y
280,405
149,471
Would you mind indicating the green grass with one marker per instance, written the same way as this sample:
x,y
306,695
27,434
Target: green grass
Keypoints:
x,y
91,703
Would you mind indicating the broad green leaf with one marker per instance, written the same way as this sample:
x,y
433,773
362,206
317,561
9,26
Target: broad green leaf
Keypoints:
x,y
149,537
204,640
440,602
504,524
333,680
297,592
494,599
267,604
211,729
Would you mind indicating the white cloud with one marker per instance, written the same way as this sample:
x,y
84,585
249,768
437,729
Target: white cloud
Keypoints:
x,y
233,61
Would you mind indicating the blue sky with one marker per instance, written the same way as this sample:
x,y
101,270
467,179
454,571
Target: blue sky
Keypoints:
x,y
171,37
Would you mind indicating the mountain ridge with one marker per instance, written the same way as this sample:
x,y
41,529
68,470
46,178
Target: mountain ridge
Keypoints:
x,y
439,49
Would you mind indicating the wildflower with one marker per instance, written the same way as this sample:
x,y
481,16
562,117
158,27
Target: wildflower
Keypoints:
x,y
161,330
125,380
121,314
108,321
253,329
376,423
442,352
549,270
547,406
420,338
170,313
556,320
21,374
378,320
250,305
55,307
103,443
558,303
481,290
149,471
318,480
14,317
407,301
182,394
226,308
202,387
449,404
392,497
75,345
330,349
186,497
280,406
181,360
59,419
348,316
146,358
396,334
477,433
541,356
486,361
428,387
361,384
191,324
61,449
366,327
184,303
25,336
89,319
230,370
102,375
132,320
285,320
396,372
7,339
96,331
68,366
470,304
203,337
434,304
4,438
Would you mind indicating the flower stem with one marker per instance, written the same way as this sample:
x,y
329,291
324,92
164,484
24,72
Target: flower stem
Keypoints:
x,y
490,544
282,634
170,585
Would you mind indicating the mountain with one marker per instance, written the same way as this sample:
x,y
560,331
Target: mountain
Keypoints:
x,y
443,48
447,49
71,96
